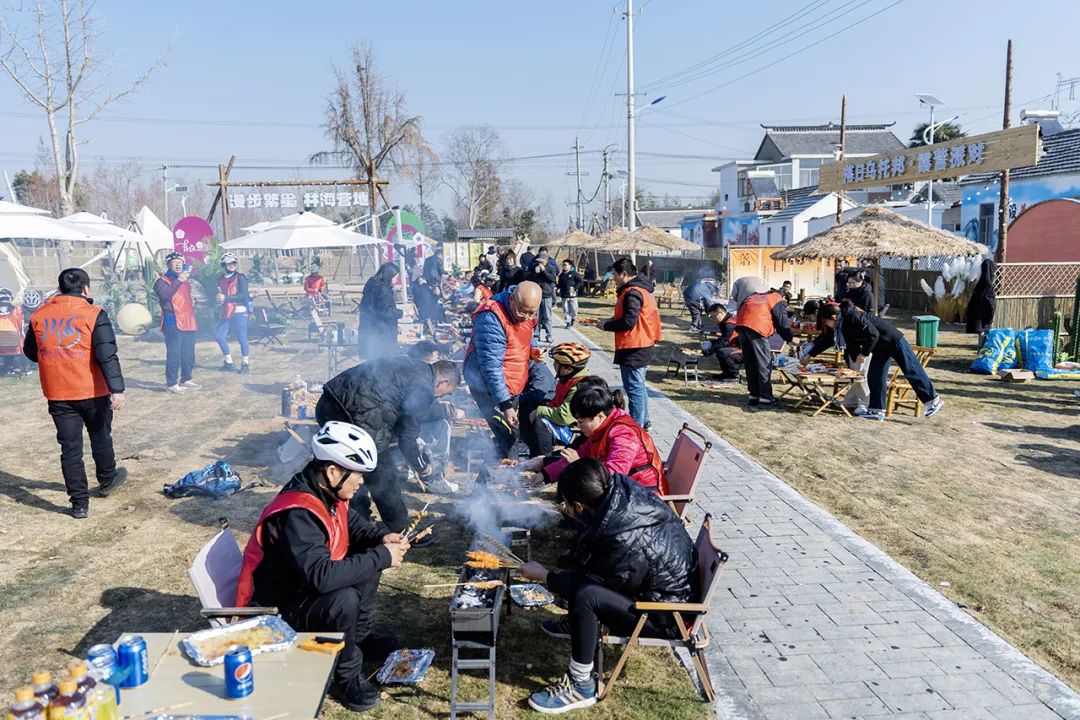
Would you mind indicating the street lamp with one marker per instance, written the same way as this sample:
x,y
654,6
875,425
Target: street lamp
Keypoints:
x,y
631,145
933,101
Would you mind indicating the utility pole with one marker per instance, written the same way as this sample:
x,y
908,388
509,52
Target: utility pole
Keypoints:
x,y
607,190
577,175
930,182
165,192
843,126
1003,199
631,188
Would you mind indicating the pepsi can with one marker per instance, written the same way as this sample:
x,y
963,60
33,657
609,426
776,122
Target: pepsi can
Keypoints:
x,y
239,672
131,657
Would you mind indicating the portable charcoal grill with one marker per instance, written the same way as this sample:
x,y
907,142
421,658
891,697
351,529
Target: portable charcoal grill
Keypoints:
x,y
474,627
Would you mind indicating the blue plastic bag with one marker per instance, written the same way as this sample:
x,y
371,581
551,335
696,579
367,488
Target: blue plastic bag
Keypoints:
x,y
1037,349
997,353
216,480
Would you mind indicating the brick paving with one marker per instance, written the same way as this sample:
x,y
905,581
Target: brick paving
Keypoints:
x,y
812,621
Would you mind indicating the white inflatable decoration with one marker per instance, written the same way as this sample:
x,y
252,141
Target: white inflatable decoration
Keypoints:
x,y
134,319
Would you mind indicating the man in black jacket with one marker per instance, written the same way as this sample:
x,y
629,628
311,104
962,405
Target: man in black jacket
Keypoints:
x,y
863,336
569,285
389,398
527,258
631,547
433,268
73,342
319,561
544,273
379,314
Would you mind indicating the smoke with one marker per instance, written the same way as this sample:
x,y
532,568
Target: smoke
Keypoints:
x,y
498,499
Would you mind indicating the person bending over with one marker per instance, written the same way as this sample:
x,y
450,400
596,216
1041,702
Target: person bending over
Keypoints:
x,y
319,561
631,547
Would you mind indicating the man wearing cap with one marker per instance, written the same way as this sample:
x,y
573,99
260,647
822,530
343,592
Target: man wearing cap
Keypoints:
x,y
233,298
173,290
73,343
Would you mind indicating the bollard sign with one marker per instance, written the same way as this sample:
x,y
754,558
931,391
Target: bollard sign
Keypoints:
x,y
1001,150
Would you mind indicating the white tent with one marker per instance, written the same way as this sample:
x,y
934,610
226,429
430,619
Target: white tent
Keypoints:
x,y
99,229
12,273
21,221
155,234
301,231
267,224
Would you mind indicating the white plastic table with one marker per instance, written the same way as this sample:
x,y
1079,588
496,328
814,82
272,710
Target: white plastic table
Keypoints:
x,y
289,685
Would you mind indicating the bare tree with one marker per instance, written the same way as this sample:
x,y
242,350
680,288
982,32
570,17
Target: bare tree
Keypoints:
x,y
55,63
473,160
367,123
421,167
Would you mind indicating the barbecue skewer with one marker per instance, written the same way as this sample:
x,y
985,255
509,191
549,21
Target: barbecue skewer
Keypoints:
x,y
416,521
490,544
420,535
480,584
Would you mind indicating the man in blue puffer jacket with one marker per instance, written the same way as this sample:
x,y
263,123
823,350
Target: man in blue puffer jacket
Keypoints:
x,y
497,359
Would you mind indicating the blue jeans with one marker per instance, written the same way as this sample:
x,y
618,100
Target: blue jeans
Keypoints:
x,y
637,395
877,374
239,323
543,321
179,354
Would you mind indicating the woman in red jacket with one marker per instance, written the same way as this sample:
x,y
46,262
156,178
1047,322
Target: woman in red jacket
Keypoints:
x,y
612,437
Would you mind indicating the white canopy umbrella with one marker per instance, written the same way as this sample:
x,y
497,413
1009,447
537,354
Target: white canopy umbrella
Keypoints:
x,y
155,235
21,221
301,231
99,229
267,224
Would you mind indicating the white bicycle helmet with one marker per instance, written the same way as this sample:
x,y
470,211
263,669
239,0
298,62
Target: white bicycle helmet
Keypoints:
x,y
229,258
345,445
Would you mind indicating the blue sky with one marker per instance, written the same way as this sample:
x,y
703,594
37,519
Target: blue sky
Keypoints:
x,y
541,72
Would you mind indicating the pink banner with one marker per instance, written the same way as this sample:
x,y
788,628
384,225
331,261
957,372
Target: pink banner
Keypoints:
x,y
191,236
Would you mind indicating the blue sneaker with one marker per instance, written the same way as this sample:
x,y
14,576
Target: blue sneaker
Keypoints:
x,y
564,696
933,406
878,415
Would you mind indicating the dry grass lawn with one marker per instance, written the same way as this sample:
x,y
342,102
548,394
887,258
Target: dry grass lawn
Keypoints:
x,y
66,585
983,497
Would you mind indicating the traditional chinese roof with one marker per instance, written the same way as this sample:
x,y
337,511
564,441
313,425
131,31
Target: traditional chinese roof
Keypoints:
x,y
945,191
484,233
666,218
880,232
1061,155
796,207
786,141
790,196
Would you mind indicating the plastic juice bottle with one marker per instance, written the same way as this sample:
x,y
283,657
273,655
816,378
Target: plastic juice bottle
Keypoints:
x,y
44,687
69,703
26,707
92,690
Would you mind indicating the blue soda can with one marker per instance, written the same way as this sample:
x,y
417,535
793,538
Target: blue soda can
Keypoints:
x,y
102,657
239,672
131,656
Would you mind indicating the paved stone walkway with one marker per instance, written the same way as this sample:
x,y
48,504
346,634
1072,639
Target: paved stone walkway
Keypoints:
x,y
812,621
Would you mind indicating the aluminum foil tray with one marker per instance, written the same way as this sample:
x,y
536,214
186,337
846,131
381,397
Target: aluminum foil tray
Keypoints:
x,y
531,595
405,667
265,633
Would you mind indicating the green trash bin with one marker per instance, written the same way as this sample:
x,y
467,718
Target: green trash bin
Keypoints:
x,y
926,327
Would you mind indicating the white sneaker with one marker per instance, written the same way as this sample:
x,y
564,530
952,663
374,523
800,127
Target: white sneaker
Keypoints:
x,y
933,406
442,486
176,389
188,385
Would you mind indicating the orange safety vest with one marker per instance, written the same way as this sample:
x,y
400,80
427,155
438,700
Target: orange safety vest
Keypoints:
x,y
314,284
518,345
646,331
650,475
485,292
64,327
183,307
336,526
11,331
756,313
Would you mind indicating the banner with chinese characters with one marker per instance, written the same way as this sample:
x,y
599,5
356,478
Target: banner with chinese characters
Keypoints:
x,y
293,200
1013,148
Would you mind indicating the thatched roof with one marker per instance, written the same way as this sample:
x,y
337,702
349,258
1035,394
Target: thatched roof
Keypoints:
x,y
576,238
647,239
880,232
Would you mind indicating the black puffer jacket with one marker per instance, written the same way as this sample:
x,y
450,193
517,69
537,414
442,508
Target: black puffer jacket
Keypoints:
x,y
379,317
389,398
637,546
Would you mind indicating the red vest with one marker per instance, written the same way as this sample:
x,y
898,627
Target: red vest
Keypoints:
x,y
63,327
314,284
227,286
518,345
183,307
336,526
485,292
646,331
650,475
11,331
756,313
562,389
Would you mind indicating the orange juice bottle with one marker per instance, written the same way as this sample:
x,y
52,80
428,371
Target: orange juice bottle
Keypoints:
x,y
26,707
69,703
44,687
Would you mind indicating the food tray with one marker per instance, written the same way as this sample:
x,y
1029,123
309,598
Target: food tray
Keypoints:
x,y
265,633
531,595
405,667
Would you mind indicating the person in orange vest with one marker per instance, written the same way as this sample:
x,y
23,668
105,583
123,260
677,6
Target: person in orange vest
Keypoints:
x,y
320,562
233,298
173,290
73,343
760,315
11,334
636,325
497,359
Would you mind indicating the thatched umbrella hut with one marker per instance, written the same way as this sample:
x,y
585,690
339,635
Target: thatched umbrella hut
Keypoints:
x,y
880,232
646,239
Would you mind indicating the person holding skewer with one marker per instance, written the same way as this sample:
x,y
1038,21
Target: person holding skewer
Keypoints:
x,y
630,547
319,561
